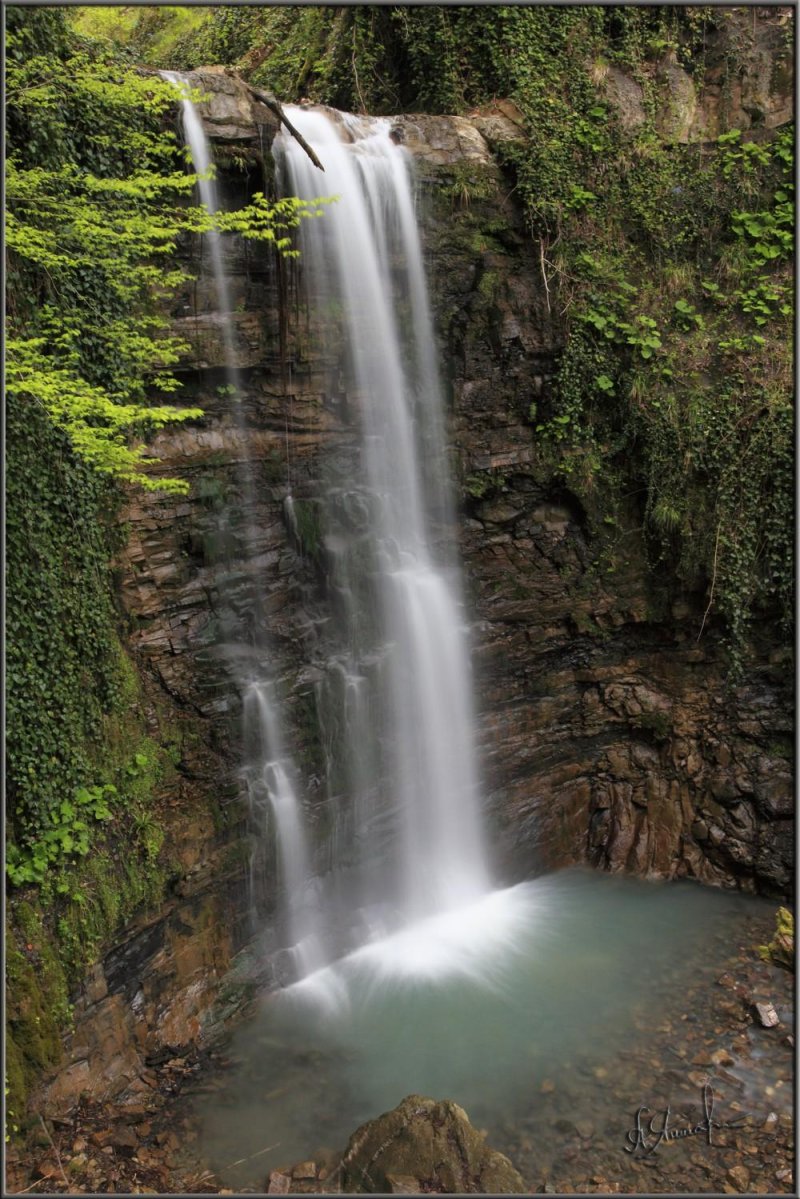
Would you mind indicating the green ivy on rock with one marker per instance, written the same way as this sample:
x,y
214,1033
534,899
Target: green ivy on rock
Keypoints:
x,y
62,652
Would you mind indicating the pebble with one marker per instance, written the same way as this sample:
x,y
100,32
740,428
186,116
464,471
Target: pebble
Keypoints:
x,y
730,1079
767,1016
123,1138
278,1183
739,1176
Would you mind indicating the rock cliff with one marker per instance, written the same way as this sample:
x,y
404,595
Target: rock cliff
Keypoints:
x,y
606,731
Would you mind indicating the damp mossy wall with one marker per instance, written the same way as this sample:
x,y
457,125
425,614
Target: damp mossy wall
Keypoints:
x,y
86,848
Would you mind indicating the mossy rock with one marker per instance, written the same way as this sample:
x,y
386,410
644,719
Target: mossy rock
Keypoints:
x,y
431,1141
780,950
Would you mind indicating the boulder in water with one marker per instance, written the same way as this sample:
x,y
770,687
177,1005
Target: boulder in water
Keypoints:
x,y
780,950
430,1142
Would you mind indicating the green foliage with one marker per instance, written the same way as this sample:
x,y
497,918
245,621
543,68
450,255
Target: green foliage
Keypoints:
x,y
90,178
469,182
145,34
63,673
97,197
686,315
39,992
675,371
50,942
67,834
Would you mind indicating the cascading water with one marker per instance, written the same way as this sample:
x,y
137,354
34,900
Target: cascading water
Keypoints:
x,y
271,787
202,160
398,679
405,884
268,771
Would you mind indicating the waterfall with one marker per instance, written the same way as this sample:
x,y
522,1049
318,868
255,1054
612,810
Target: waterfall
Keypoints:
x,y
401,857
420,850
202,160
267,770
271,787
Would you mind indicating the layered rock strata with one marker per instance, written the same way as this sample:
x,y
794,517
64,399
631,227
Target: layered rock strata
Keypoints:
x,y
605,729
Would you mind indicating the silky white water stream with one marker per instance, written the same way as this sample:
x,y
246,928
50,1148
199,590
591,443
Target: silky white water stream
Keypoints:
x,y
363,263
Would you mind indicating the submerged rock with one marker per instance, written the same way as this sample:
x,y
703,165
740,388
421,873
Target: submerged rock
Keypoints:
x,y
430,1142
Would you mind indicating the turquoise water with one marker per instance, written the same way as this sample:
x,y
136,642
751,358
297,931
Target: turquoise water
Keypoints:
x,y
529,1006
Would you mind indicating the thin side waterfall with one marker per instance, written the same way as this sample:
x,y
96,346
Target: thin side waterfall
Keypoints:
x,y
271,786
203,160
202,157
403,650
267,771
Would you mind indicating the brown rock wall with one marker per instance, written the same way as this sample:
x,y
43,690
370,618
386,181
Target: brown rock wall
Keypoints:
x,y
745,81
605,729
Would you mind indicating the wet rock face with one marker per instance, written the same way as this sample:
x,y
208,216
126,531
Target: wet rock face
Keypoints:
x,y
150,996
606,731
425,1146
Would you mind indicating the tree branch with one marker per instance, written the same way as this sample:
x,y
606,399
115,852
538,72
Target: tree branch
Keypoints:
x,y
713,583
274,106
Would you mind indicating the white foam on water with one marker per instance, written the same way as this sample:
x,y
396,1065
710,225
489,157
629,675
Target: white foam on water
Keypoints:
x,y
477,945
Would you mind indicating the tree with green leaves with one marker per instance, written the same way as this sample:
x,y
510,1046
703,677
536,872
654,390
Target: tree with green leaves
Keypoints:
x,y
97,196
